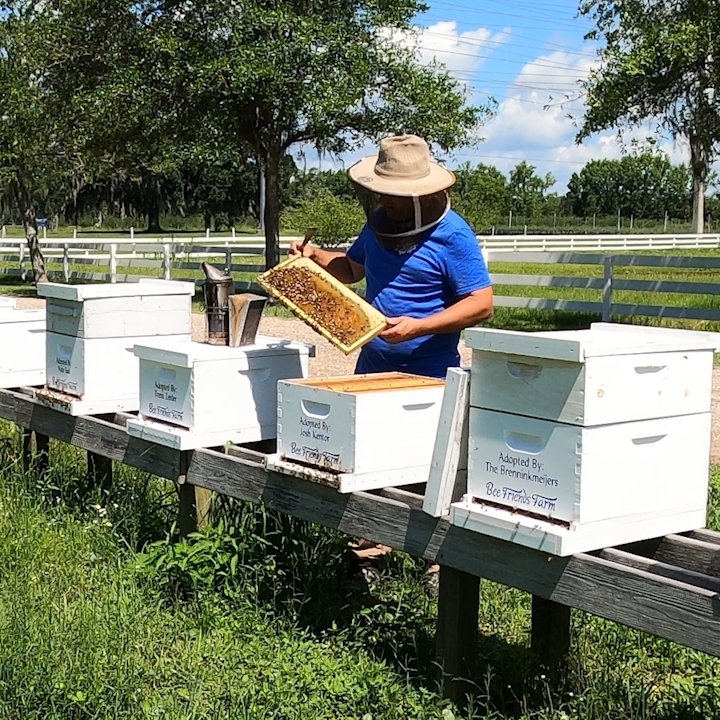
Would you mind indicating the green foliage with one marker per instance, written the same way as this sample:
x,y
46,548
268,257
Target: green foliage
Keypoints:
x,y
527,190
88,629
642,185
337,220
658,63
481,195
79,638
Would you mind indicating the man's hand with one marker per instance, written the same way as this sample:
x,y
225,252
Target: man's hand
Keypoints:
x,y
401,329
296,249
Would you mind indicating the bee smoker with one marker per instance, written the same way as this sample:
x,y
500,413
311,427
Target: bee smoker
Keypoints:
x,y
231,319
217,288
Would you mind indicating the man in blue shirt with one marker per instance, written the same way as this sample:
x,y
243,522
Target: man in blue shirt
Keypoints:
x,y
423,270
421,261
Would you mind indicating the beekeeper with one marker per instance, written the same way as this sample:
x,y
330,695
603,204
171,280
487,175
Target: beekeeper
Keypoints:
x,y
420,260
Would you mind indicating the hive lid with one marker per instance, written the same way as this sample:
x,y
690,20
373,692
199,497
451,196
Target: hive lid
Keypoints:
x,y
324,303
93,291
370,382
186,354
600,339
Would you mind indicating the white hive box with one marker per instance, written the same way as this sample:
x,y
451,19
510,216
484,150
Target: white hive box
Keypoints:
x,y
91,332
196,395
358,432
590,438
22,336
592,377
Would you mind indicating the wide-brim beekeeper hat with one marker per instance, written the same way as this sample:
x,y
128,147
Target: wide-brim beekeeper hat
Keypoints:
x,y
402,167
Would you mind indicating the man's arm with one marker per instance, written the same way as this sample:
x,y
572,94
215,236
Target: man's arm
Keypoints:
x,y
338,264
466,312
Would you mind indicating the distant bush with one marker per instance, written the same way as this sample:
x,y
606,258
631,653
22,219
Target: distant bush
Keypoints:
x,y
337,221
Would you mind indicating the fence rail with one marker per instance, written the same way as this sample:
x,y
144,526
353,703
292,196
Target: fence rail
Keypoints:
x,y
605,288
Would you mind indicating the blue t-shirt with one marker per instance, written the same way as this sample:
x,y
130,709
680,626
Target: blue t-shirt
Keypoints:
x,y
445,264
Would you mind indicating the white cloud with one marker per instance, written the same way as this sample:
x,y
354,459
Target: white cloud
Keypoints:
x,y
461,53
537,119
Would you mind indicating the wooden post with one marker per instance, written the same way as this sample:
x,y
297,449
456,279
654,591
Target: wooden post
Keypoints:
x,y
457,632
100,470
35,451
167,262
113,262
607,289
195,502
66,262
550,636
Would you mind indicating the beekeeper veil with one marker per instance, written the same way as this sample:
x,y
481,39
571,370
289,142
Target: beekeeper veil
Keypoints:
x,y
402,190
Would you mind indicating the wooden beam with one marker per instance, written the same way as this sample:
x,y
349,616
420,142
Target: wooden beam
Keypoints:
x,y
36,451
108,439
690,577
680,551
640,599
457,633
550,634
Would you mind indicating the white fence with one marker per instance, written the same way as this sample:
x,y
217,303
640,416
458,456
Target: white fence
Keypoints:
x,y
118,259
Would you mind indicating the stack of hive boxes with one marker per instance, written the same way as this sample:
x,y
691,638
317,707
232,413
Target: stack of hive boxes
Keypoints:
x,y
358,432
91,332
196,395
589,438
22,334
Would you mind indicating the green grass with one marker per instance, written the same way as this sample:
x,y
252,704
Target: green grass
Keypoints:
x,y
104,613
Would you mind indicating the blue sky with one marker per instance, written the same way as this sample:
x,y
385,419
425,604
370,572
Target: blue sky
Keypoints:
x,y
528,55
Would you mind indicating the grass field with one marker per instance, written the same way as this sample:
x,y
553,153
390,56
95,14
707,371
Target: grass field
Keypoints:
x,y
105,614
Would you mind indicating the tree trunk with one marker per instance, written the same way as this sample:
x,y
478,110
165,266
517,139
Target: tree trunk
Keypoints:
x,y
22,201
272,207
152,200
699,167
698,207
36,256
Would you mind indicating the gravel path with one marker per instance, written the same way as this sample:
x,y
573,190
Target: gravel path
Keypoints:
x,y
329,361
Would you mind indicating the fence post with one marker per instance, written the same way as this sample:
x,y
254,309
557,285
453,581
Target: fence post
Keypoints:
x,y
228,259
3,234
166,261
113,262
607,289
132,233
66,262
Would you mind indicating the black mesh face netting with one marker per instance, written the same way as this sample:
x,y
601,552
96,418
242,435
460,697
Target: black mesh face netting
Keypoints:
x,y
394,218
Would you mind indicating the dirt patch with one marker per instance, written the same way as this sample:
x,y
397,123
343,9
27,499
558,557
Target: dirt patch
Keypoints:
x,y
331,362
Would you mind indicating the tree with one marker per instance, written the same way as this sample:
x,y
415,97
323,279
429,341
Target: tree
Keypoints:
x,y
644,184
143,89
481,195
23,156
528,189
325,74
659,63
